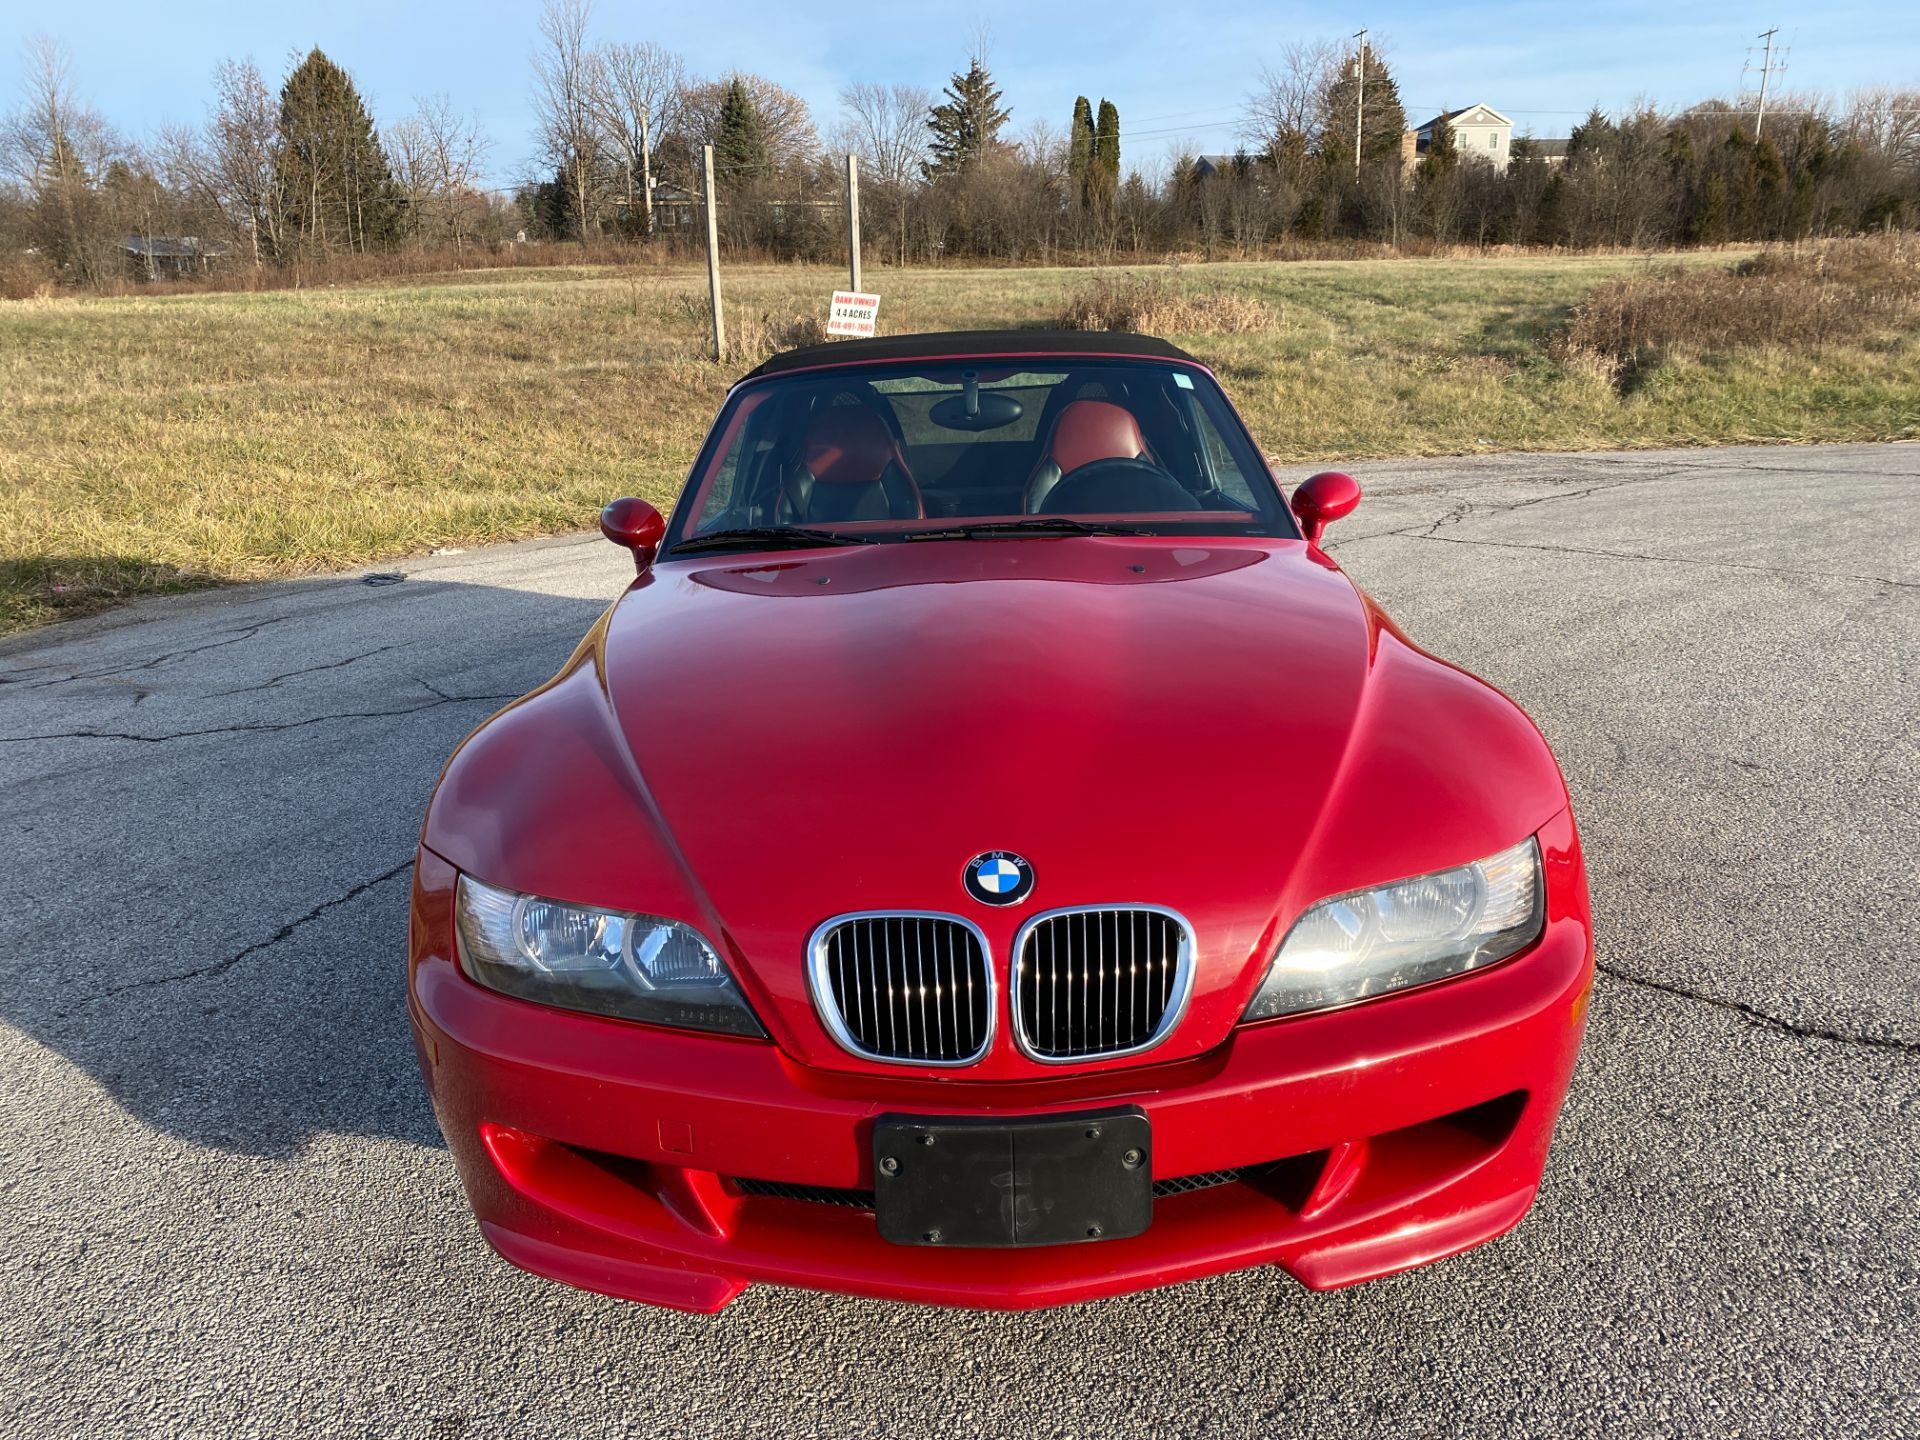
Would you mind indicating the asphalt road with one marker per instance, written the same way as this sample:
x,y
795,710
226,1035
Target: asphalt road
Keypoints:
x,y
225,1209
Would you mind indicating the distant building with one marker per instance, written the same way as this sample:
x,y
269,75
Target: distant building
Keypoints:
x,y
1553,152
676,208
173,257
1206,165
1478,130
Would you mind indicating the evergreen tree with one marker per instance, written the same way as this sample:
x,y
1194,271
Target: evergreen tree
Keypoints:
x,y
1106,149
1679,153
1550,225
338,188
1080,149
1592,136
1769,187
548,207
966,126
740,138
1711,227
1383,120
1443,153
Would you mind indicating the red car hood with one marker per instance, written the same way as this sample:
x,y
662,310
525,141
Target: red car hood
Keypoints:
x,y
1227,728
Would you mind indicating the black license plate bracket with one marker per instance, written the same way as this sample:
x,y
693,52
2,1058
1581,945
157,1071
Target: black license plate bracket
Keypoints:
x,y
946,1180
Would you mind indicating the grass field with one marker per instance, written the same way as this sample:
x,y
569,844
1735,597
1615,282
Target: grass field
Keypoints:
x,y
163,443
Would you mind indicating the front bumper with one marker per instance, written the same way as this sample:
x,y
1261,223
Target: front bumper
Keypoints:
x,y
1368,1140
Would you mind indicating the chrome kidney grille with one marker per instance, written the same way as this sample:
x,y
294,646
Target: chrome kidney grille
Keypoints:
x,y
915,989
1099,982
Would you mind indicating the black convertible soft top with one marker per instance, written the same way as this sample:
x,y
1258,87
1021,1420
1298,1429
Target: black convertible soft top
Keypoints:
x,y
966,344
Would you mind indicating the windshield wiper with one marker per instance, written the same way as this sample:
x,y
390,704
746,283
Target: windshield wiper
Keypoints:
x,y
1032,525
767,537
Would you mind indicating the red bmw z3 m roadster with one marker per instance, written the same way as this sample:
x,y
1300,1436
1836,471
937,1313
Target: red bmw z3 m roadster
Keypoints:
x,y
992,856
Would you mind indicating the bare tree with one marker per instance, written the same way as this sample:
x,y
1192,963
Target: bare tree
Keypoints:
x,y
1136,208
58,151
1286,102
887,128
566,83
638,100
229,169
1385,200
1885,121
436,157
784,117
1250,208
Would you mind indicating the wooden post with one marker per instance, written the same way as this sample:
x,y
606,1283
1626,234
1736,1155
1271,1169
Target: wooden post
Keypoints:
x,y
853,222
713,263
646,176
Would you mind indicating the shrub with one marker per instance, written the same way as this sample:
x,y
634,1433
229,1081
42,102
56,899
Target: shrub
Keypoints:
x,y
1810,295
1158,305
25,277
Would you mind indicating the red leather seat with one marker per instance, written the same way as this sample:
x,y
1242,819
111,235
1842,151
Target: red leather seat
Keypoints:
x,y
1086,431
850,468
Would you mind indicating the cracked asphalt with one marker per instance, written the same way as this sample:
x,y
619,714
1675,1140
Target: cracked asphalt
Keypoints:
x,y
225,1209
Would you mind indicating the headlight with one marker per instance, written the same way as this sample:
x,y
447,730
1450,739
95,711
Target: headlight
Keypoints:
x,y
638,967
1356,946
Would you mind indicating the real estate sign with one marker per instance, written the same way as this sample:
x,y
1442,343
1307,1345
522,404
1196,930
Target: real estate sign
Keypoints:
x,y
853,313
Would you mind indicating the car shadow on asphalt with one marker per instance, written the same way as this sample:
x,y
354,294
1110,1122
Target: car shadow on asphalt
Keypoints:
x,y
235,834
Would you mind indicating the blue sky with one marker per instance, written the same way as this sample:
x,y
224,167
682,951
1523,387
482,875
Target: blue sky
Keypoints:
x,y
1177,72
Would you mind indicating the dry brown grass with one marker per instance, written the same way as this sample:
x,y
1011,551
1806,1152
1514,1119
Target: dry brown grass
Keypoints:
x,y
752,333
1159,304
162,442
754,336
1833,292
25,277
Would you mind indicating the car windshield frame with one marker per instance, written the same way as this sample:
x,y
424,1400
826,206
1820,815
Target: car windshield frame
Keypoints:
x,y
1270,517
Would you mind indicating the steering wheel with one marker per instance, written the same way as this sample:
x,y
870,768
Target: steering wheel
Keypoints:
x,y
1117,486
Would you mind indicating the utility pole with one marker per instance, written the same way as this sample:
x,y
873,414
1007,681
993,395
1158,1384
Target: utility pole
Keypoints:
x,y
1359,97
853,222
1766,73
646,175
713,261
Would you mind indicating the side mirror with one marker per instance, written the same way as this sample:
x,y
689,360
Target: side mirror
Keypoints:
x,y
1321,499
636,526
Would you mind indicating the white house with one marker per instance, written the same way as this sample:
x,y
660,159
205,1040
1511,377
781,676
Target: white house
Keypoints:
x,y
1477,130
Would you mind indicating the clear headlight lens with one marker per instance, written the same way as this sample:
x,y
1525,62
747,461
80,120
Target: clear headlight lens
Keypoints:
x,y
637,967
1352,947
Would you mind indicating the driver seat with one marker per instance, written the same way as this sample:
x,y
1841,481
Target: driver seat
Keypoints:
x,y
1086,431
850,468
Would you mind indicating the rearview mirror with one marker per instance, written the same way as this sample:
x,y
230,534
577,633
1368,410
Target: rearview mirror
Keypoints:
x,y
636,526
1321,499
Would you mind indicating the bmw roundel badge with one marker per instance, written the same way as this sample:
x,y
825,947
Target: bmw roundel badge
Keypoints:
x,y
999,877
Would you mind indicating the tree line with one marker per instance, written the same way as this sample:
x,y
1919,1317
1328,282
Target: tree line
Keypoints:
x,y
278,179
303,174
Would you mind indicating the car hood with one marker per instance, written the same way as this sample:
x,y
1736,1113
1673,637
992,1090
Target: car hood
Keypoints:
x,y
1226,728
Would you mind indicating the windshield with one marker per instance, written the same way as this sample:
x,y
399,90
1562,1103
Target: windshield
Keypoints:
x,y
1048,445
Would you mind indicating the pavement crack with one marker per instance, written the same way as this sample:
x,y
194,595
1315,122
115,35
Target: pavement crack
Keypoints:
x,y
1761,1018
286,931
263,726
1471,509
246,632
270,683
